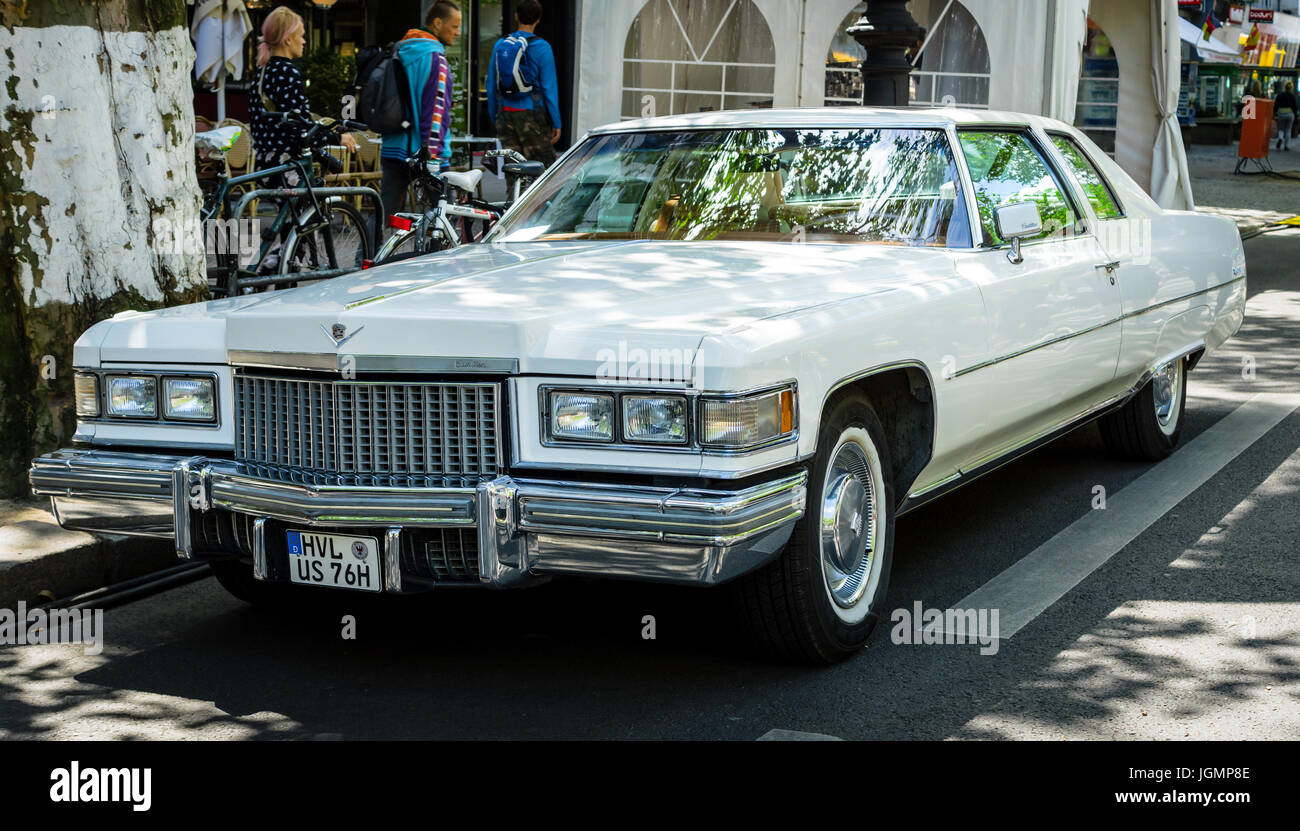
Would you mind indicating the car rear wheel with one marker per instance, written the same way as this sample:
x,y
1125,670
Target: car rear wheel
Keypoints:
x,y
1147,428
820,601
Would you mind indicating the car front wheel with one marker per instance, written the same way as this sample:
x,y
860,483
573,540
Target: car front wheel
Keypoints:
x,y
820,601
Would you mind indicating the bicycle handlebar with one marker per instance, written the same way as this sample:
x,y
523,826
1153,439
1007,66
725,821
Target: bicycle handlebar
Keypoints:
x,y
505,152
330,163
313,128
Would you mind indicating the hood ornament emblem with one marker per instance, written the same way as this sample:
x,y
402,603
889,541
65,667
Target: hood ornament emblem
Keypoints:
x,y
339,333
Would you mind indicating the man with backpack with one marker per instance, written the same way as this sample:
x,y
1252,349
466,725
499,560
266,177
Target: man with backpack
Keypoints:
x,y
522,93
425,74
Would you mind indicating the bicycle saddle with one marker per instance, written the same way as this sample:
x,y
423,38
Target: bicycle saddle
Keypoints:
x,y
466,180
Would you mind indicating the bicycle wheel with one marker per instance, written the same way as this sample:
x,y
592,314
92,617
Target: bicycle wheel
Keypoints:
x,y
307,253
403,244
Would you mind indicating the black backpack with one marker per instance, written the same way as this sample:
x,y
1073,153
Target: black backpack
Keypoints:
x,y
380,91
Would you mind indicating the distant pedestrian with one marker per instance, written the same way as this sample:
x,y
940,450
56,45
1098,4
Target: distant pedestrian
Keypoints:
x,y
424,55
523,95
1285,107
279,89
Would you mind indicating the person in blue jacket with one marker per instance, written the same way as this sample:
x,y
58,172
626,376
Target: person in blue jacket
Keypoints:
x,y
423,53
526,120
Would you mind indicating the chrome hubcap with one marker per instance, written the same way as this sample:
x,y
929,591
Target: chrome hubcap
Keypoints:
x,y
848,524
1166,388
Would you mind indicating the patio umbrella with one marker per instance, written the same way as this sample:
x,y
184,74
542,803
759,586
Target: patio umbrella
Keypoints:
x,y
218,29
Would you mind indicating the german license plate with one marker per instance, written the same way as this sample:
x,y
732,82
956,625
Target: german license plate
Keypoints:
x,y
334,560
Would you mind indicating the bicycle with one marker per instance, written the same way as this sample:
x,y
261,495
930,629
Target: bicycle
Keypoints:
x,y
452,211
319,235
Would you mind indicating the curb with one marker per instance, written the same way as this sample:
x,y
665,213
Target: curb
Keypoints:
x,y
40,561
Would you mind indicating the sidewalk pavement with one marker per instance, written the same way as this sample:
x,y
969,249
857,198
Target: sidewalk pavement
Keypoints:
x,y
39,561
1253,200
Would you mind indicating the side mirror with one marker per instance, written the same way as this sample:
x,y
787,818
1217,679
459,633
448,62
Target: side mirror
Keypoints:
x,y
1015,222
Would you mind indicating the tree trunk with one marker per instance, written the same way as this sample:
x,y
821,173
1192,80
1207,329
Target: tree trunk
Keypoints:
x,y
96,146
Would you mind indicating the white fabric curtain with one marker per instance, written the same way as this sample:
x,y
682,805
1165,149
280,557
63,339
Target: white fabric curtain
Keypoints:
x,y
1068,29
1171,184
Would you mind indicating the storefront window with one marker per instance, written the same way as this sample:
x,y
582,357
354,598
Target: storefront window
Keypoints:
x,y
685,56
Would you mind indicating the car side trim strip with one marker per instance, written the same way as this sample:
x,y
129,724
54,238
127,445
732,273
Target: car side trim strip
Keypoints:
x,y
991,463
1059,338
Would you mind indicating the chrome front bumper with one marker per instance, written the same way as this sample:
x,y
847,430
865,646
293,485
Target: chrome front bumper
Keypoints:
x,y
525,528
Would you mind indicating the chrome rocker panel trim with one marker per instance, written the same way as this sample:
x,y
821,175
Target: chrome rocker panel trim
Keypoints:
x,y
1003,457
527,527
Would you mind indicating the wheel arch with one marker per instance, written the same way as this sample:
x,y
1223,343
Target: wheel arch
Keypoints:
x,y
902,395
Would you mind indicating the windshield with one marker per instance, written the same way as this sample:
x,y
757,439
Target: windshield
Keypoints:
x,y
894,186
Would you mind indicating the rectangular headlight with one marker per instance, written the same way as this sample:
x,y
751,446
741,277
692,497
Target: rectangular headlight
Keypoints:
x,y
133,396
745,422
191,399
582,416
657,419
85,388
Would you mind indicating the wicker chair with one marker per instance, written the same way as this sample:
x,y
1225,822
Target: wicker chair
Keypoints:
x,y
240,158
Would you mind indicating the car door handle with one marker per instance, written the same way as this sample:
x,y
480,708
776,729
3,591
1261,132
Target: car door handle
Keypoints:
x,y
1110,269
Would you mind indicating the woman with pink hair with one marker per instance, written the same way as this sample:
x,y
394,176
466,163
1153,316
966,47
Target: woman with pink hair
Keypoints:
x,y
279,88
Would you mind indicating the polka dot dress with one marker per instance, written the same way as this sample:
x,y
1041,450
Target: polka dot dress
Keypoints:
x,y
276,143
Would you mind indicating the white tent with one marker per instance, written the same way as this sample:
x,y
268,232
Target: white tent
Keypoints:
x,y
657,57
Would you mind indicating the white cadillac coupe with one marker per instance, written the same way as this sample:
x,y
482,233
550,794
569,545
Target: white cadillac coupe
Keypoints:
x,y
721,348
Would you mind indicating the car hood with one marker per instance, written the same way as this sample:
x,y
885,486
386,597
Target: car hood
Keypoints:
x,y
552,306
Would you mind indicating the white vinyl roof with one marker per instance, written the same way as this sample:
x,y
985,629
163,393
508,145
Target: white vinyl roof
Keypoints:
x,y
829,117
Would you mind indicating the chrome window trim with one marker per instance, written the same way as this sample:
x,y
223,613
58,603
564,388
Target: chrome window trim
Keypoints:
x,y
1110,189
102,374
968,191
1081,228
946,128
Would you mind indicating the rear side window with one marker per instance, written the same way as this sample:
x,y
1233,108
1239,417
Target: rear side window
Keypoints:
x,y
1095,187
1006,168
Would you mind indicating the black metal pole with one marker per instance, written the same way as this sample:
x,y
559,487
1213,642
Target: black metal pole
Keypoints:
x,y
886,31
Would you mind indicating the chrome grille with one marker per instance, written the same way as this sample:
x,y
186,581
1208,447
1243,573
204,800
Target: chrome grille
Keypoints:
x,y
370,433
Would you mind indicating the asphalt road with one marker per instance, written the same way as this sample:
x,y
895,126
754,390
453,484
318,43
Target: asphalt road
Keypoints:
x,y
1187,627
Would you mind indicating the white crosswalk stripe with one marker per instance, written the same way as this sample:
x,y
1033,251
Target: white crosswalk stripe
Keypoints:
x,y
1030,586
